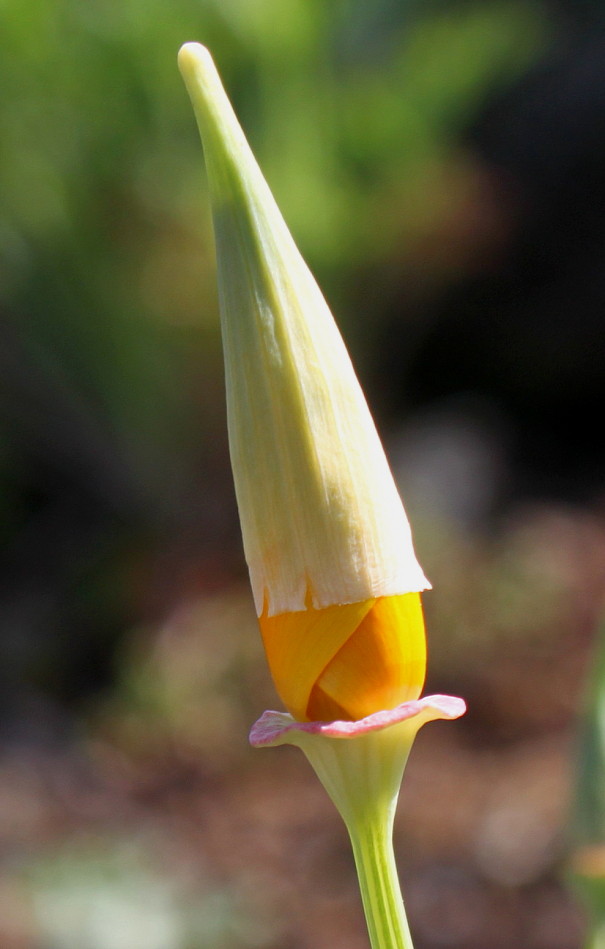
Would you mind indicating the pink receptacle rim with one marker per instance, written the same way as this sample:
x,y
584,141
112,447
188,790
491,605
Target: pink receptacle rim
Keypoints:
x,y
273,726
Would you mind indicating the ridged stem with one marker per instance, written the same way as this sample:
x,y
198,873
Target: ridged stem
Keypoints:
x,y
379,883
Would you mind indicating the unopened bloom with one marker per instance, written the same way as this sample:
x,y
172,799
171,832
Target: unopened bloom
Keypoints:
x,y
335,579
333,571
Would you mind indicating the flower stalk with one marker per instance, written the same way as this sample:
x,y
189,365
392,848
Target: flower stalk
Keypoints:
x,y
375,760
379,884
361,765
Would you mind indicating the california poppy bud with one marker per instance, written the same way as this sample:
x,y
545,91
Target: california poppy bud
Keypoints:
x,y
335,579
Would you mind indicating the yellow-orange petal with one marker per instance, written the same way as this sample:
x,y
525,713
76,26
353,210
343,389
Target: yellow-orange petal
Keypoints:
x,y
300,645
381,665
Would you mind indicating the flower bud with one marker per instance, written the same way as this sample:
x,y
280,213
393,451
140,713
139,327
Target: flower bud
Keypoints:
x,y
328,545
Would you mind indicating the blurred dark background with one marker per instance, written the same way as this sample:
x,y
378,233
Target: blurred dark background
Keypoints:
x,y
440,165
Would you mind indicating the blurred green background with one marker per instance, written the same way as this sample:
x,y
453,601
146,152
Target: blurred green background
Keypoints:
x,y
440,165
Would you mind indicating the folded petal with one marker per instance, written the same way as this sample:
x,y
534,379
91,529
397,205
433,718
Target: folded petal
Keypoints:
x,y
301,645
381,665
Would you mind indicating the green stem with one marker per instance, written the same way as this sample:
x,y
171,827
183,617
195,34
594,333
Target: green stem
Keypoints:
x,y
378,881
361,765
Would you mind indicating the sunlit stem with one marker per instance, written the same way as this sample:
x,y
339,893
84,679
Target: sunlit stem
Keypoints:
x,y
378,881
363,776
361,764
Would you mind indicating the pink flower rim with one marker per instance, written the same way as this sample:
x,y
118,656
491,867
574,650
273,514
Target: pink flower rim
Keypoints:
x,y
272,727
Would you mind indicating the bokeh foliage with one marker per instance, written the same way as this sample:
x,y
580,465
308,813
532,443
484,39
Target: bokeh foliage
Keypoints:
x,y
117,517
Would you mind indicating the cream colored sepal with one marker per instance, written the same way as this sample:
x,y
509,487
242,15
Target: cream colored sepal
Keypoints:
x,y
321,517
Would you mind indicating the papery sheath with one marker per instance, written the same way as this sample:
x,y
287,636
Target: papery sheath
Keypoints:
x,y
321,517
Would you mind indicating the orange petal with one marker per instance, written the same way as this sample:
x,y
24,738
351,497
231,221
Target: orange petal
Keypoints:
x,y
380,666
300,645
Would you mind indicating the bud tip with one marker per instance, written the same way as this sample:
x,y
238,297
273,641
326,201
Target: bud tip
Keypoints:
x,y
192,56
